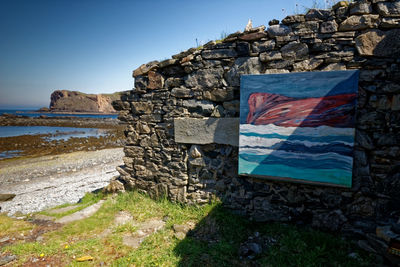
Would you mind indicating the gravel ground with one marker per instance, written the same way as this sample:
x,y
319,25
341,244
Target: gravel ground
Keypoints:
x,y
49,181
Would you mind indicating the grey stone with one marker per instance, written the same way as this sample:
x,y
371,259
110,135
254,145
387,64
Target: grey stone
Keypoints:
x,y
307,65
167,62
199,106
207,131
280,64
395,103
363,140
278,30
245,65
259,47
334,66
294,50
243,49
389,9
141,83
389,23
219,94
385,233
331,221
275,71
218,53
360,7
273,22
195,152
232,105
269,56
142,107
218,112
205,78
182,92
379,43
7,259
82,214
318,14
293,19
184,53
361,157
358,23
328,27
173,82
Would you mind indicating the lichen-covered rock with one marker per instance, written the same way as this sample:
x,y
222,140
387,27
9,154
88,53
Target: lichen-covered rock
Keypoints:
x,y
205,78
278,30
358,23
249,65
389,9
145,68
379,43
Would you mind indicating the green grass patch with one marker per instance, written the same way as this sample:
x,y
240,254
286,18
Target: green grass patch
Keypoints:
x,y
215,240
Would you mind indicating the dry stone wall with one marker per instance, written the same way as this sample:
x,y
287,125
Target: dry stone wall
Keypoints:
x,y
204,84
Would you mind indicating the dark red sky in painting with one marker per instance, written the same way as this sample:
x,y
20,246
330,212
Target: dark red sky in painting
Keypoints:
x,y
336,111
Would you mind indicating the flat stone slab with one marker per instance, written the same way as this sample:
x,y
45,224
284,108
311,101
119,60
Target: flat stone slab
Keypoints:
x,y
82,214
207,131
62,210
145,229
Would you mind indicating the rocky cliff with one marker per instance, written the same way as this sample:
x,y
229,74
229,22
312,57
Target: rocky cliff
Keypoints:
x,y
74,101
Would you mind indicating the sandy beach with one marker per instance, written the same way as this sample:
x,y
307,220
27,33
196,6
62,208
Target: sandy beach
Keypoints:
x,y
43,182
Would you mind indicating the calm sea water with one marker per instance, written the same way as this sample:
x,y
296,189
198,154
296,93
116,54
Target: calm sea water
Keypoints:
x,y
32,113
57,133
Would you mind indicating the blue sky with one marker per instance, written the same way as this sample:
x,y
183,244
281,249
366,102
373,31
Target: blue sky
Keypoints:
x,y
93,45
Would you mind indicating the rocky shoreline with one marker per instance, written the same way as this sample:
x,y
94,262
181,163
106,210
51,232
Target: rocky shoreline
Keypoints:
x,y
43,182
46,172
43,144
65,121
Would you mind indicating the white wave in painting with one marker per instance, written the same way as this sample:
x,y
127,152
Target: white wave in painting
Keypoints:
x,y
304,131
252,141
286,154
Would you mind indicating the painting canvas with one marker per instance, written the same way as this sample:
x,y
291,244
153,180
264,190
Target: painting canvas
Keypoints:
x,y
298,126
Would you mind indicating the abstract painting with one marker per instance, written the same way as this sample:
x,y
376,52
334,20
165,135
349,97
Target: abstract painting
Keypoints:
x,y
298,126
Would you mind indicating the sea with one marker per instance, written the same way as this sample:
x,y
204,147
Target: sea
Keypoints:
x,y
34,113
54,133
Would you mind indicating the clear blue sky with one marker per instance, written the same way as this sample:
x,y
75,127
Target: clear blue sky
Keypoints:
x,y
93,45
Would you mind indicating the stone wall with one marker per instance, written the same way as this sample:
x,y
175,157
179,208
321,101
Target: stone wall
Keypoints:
x,y
202,85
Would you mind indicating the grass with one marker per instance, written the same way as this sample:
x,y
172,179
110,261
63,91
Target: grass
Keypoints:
x,y
215,241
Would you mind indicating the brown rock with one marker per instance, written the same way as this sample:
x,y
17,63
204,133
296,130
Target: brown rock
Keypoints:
x,y
156,80
253,36
115,186
74,101
142,107
6,197
340,4
145,68
167,62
